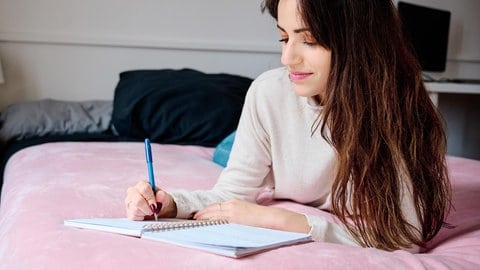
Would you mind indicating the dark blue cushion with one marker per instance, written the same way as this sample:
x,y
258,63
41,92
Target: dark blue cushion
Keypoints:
x,y
178,106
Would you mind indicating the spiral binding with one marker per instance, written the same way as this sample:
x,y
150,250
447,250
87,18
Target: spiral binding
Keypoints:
x,y
182,225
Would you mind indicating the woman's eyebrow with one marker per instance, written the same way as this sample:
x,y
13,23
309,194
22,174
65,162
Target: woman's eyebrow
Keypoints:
x,y
300,30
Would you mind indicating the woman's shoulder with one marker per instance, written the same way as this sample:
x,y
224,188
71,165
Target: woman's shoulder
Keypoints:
x,y
272,82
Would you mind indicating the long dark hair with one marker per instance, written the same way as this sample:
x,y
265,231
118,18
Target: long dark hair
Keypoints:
x,y
381,122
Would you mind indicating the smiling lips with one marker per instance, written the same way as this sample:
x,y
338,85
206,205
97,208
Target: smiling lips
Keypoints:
x,y
297,76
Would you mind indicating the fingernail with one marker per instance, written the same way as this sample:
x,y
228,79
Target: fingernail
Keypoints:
x,y
159,207
153,208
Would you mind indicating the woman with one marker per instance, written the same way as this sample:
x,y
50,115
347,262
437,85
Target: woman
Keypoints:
x,y
346,126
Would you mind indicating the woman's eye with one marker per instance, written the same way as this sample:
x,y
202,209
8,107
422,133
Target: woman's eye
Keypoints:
x,y
310,43
283,40
309,40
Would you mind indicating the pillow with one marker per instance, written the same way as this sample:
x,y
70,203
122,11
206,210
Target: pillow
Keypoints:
x,y
53,117
222,151
178,106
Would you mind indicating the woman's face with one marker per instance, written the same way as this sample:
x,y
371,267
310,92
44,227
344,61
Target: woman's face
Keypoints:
x,y
307,62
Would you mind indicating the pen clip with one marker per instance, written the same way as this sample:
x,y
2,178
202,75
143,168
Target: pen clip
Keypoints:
x,y
148,151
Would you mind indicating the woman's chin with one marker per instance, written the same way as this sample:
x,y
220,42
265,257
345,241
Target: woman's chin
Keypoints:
x,y
304,91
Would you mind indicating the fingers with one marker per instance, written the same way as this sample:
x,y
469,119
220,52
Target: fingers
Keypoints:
x,y
146,192
214,211
237,211
140,201
166,206
162,198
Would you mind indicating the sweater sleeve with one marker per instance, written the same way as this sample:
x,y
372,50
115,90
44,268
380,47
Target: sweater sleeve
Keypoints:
x,y
247,172
325,231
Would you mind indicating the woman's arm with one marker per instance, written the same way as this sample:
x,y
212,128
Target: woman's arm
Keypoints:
x,y
252,214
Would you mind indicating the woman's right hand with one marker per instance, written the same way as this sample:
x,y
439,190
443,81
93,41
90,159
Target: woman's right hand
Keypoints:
x,y
141,203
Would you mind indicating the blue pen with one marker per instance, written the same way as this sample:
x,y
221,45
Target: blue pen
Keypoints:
x,y
151,178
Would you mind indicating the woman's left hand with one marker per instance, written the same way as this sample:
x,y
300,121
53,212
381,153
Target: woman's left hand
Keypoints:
x,y
247,213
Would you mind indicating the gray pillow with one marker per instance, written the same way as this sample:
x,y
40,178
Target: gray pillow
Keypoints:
x,y
54,117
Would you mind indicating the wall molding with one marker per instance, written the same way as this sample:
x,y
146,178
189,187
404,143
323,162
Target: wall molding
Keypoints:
x,y
140,42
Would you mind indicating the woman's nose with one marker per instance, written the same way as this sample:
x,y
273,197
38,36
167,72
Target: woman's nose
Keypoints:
x,y
290,54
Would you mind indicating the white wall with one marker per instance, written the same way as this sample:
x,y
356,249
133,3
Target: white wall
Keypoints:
x,y
74,50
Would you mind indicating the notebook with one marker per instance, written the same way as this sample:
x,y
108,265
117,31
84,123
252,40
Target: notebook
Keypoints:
x,y
219,237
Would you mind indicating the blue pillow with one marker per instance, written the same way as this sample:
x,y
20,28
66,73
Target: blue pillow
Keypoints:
x,y
222,151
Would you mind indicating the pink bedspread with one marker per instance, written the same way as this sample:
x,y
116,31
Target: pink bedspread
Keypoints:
x,y
48,183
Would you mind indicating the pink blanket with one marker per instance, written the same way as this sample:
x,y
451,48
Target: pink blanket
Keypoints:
x,y
49,183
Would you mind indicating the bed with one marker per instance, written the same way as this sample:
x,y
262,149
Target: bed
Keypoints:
x,y
52,180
